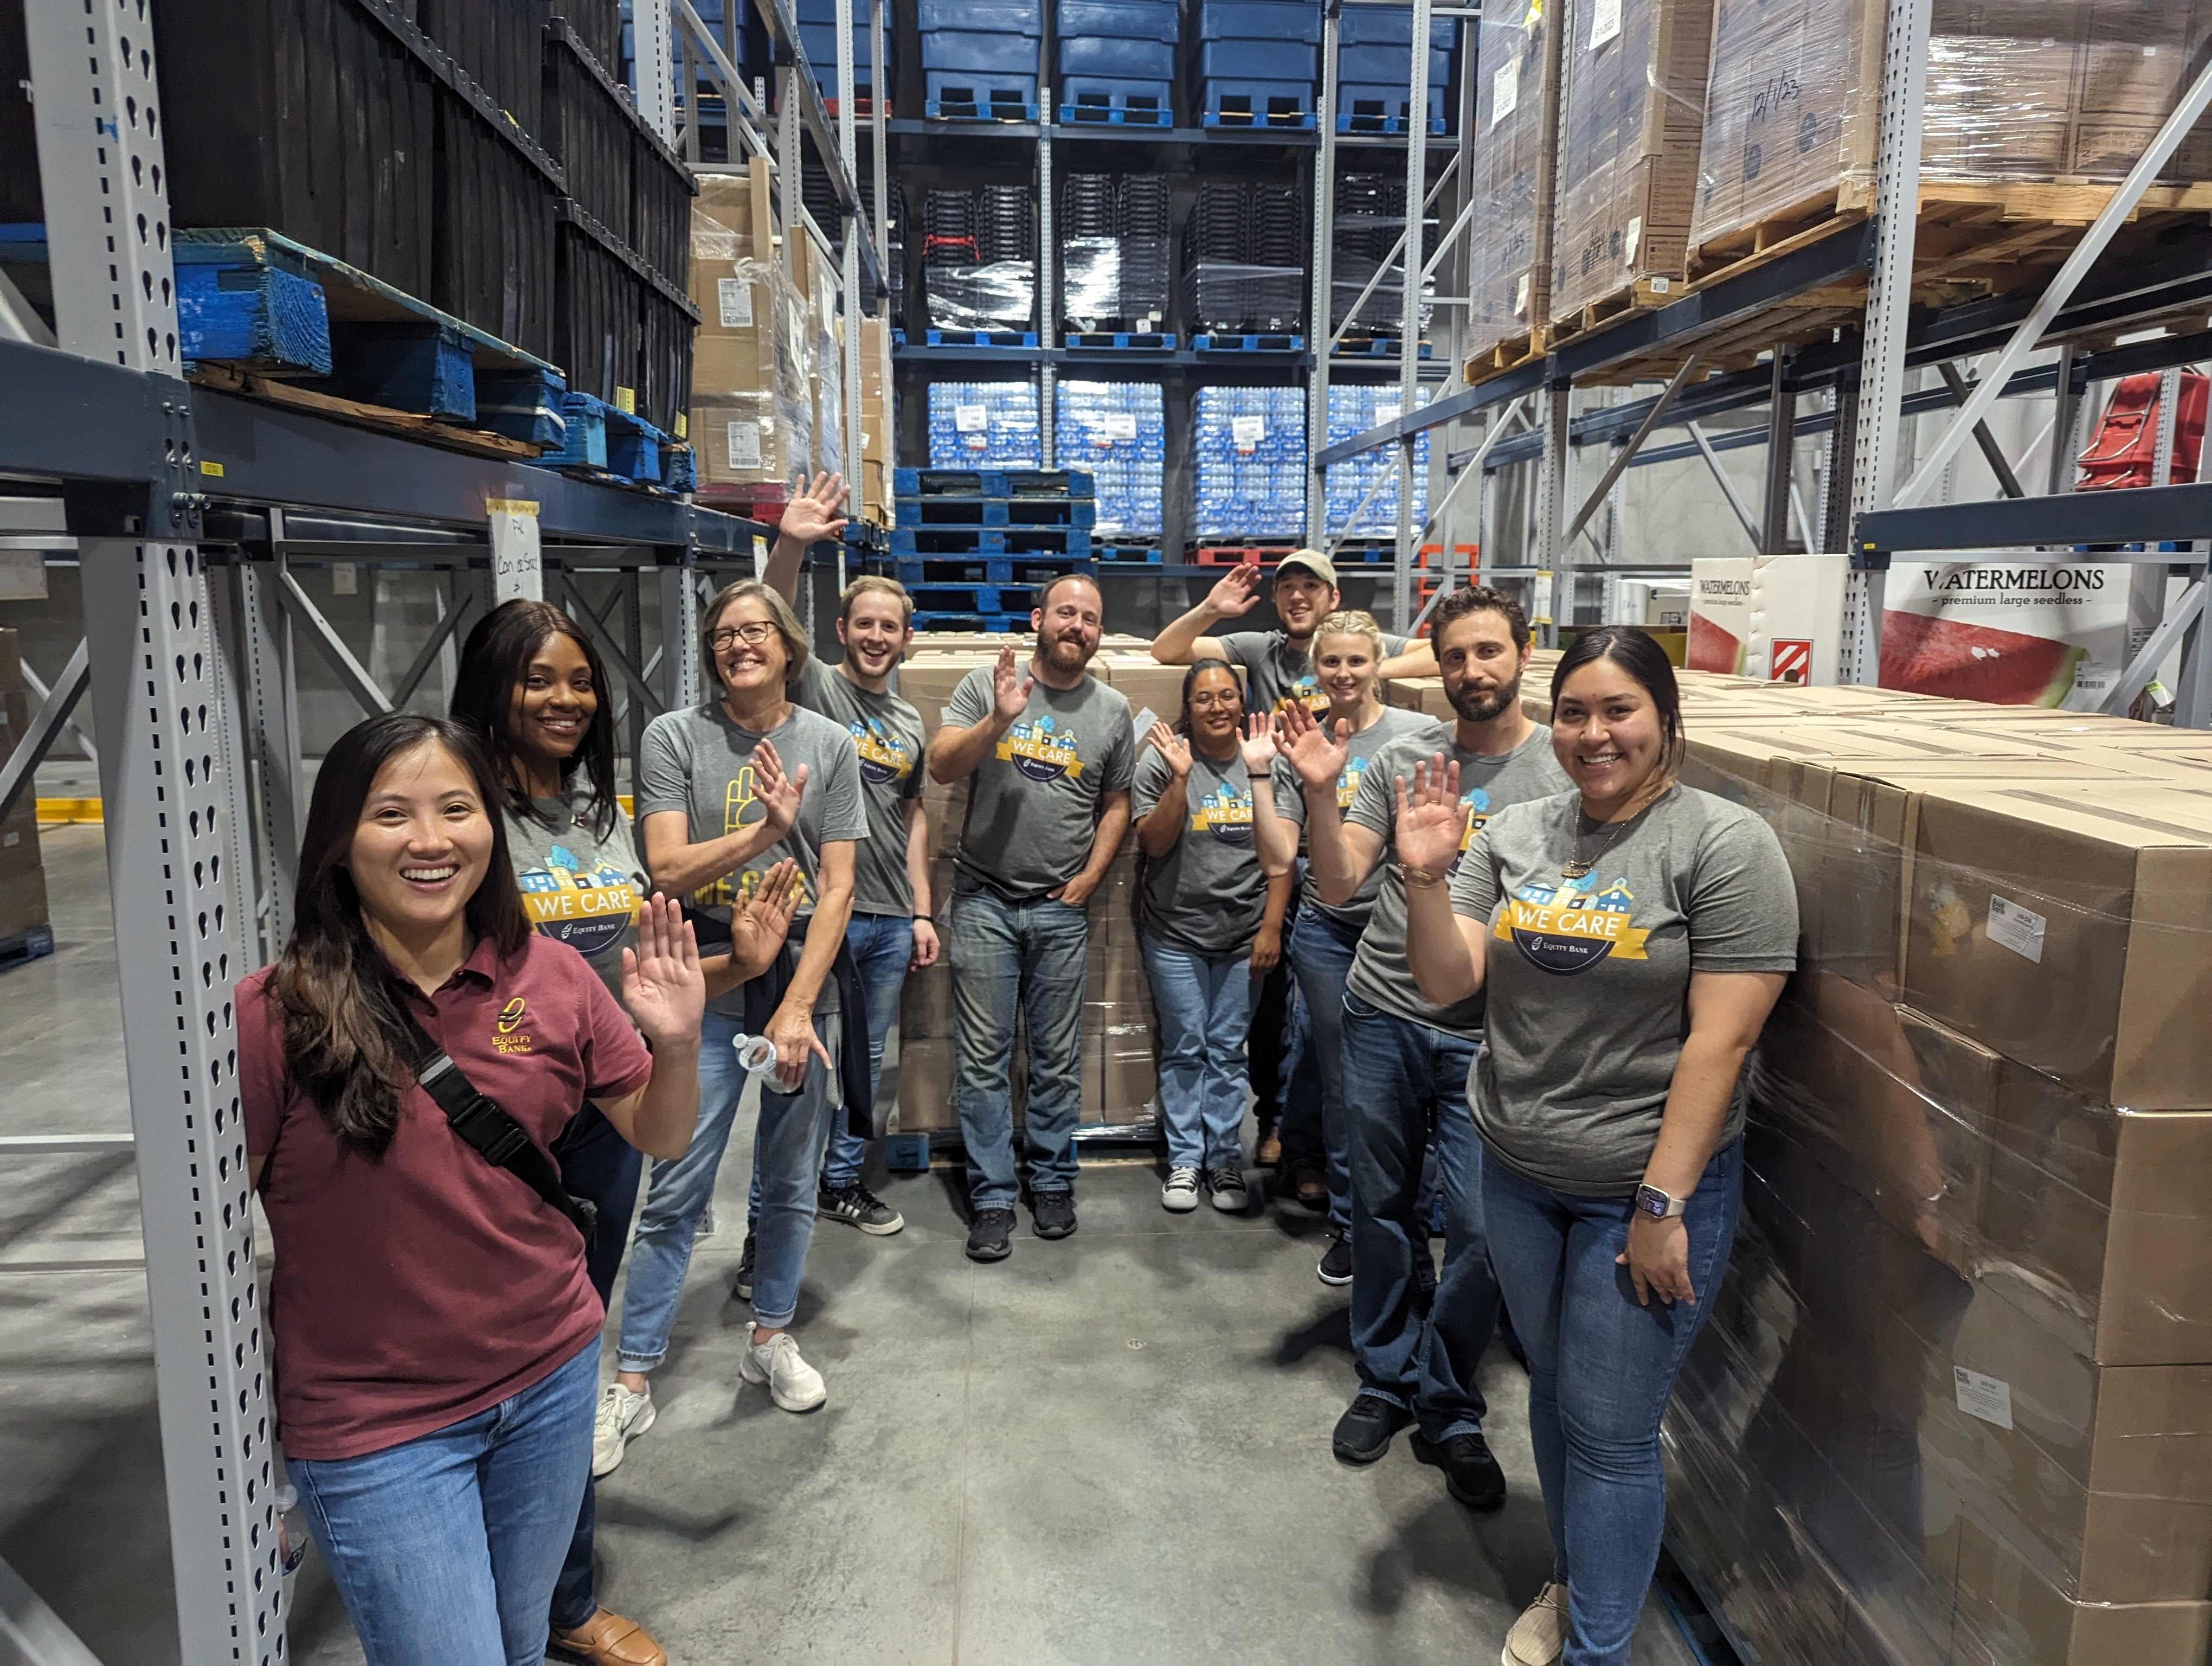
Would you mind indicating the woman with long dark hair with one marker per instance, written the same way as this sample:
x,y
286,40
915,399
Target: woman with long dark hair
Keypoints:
x,y
1632,934
530,688
435,1326
1209,922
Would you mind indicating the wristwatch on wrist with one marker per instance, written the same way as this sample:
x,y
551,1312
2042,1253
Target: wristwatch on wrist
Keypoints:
x,y
1656,1203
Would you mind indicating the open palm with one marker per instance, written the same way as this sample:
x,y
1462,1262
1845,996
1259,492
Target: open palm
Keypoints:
x,y
1431,820
1317,751
663,988
812,516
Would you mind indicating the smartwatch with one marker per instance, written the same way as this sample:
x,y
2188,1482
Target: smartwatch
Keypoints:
x,y
1656,1203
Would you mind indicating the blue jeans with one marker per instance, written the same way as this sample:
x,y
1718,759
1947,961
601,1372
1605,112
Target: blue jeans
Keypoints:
x,y
788,1141
1204,1007
1009,958
1601,1371
596,1162
1418,1336
882,943
446,1546
1321,958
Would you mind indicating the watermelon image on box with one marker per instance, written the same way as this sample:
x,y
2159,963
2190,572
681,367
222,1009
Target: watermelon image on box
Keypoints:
x,y
1778,619
1720,616
2010,634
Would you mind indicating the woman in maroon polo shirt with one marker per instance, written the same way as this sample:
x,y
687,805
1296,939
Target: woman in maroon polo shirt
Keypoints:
x,y
435,1332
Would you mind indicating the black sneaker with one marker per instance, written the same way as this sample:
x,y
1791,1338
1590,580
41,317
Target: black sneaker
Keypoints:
x,y
1336,1265
1052,1214
1471,1474
744,1285
987,1235
856,1206
1363,1433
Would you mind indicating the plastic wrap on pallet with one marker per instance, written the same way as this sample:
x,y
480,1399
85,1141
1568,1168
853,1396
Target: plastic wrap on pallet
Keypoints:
x,y
1631,108
1510,280
1222,295
2069,92
1248,462
1118,431
1949,1402
1384,312
1353,409
752,418
978,425
998,295
1114,283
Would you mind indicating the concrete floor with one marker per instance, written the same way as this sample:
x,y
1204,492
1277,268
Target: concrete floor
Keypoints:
x,y
1112,1449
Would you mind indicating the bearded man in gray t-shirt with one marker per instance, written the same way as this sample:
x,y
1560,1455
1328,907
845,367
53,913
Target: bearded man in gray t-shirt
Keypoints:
x,y
1405,1061
1052,754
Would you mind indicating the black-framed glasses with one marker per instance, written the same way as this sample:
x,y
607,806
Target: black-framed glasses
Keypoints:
x,y
752,635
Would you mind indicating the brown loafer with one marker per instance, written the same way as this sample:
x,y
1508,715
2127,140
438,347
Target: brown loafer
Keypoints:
x,y
608,1639
1309,1187
1269,1151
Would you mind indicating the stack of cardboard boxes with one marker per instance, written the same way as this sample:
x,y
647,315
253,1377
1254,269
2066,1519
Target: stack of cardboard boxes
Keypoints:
x,y
1120,1078
872,479
1951,1405
24,927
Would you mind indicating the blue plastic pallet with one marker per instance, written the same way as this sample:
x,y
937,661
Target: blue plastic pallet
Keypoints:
x,y
1009,338
992,483
1120,340
930,599
1385,124
1376,347
957,95
1031,512
1283,106
1370,108
953,569
35,943
1262,343
1105,101
906,1153
1129,555
991,624
940,542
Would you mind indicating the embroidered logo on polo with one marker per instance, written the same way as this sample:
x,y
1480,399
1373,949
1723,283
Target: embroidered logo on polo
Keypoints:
x,y
572,902
884,760
1568,927
504,1028
1043,751
1225,813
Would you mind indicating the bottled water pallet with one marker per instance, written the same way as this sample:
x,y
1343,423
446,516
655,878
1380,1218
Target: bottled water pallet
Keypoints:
x,y
1009,338
1375,347
992,483
1265,341
977,624
1126,340
25,946
997,511
941,543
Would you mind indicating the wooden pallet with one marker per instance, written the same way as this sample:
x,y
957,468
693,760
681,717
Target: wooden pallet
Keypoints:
x,y
475,443
1508,354
1643,295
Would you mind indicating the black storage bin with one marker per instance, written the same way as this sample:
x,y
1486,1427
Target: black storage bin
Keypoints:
x,y
598,315
660,206
664,371
498,42
493,243
20,202
597,23
587,129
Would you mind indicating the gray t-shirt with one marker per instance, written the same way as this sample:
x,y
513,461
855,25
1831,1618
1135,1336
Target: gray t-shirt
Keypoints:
x,y
578,888
1380,972
697,761
887,740
1275,671
1290,801
1589,979
1208,895
1033,805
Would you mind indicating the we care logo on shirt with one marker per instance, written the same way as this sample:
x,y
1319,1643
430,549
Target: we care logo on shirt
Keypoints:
x,y
508,1034
569,900
1306,690
1476,802
1225,813
1570,927
1347,784
1042,750
884,761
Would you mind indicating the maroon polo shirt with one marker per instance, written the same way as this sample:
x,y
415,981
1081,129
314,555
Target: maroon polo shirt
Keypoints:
x,y
419,1288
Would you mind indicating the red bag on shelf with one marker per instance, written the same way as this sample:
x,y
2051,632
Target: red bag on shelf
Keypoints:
x,y
2126,450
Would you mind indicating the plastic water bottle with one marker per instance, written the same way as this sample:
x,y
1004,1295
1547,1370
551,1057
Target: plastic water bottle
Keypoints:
x,y
755,1054
291,1539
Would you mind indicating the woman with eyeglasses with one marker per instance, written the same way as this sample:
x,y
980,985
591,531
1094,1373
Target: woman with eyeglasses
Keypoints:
x,y
1209,922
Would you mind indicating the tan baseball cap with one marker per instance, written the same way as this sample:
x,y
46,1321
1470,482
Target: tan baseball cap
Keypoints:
x,y
1310,561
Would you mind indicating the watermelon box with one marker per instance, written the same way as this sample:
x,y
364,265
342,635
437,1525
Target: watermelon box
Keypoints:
x,y
2010,633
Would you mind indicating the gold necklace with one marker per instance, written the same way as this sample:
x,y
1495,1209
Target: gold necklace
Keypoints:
x,y
1579,868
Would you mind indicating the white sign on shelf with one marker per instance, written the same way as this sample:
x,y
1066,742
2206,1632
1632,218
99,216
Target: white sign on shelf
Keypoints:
x,y
515,567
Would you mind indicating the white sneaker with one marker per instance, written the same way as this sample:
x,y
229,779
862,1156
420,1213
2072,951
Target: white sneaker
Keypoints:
x,y
622,1417
1539,1635
794,1385
1227,1186
1180,1195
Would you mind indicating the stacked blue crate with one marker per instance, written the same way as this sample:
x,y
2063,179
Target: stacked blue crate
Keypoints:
x,y
1354,410
817,33
1248,462
1117,61
984,425
1257,60
979,58
1117,430
1375,70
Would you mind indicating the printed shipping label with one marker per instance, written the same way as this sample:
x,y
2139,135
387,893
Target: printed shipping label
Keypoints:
x,y
2016,929
743,445
971,419
1989,1398
1605,23
1387,414
1248,431
1117,425
736,299
1504,91
1520,295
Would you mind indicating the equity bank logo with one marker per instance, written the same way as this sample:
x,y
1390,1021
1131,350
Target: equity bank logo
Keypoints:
x,y
1570,927
1225,813
505,1038
586,906
884,756
1043,751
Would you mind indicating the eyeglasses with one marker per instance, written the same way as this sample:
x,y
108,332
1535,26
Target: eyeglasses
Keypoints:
x,y
752,635
1229,698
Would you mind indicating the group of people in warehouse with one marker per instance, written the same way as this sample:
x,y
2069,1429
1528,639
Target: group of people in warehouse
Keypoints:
x,y
1517,970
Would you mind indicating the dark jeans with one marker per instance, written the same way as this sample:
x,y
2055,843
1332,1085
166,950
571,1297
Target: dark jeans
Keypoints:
x,y
1601,1370
1027,958
1321,959
1418,1336
1271,1048
596,1162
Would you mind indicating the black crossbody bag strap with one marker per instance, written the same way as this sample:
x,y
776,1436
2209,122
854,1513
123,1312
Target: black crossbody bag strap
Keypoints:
x,y
496,1136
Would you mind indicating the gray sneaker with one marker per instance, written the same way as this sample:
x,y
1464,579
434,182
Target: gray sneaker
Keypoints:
x,y
856,1206
1180,1195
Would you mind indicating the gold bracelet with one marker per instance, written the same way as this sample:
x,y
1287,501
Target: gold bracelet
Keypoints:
x,y
1420,879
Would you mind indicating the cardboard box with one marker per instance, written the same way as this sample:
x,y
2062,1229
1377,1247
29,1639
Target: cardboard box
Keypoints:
x,y
19,837
1426,695
926,1010
23,902
2010,1615
1631,113
926,1072
1515,157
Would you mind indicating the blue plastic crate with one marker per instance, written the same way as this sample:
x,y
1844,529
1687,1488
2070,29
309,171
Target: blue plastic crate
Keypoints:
x,y
1121,19
980,52
1260,20
820,40
1000,16
1233,102
1120,59
1380,66
1109,101
1257,60
1381,26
